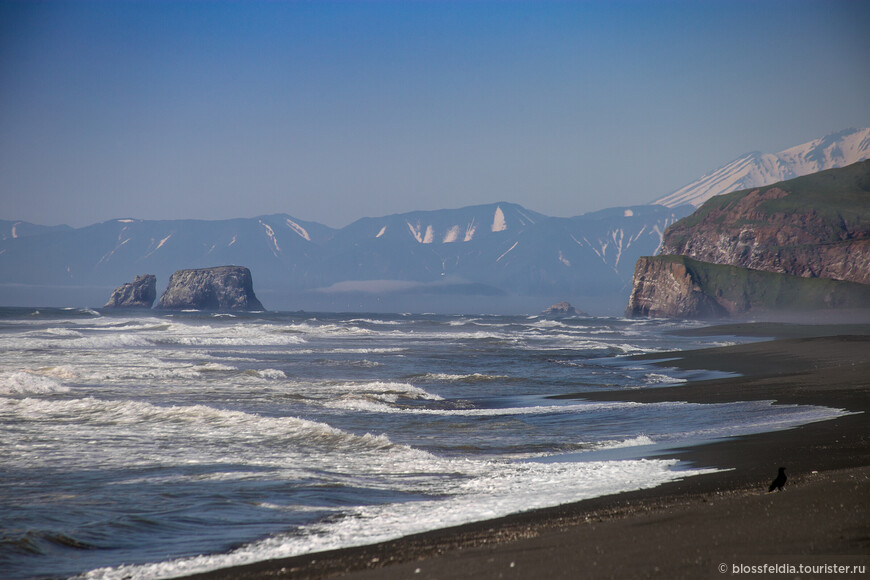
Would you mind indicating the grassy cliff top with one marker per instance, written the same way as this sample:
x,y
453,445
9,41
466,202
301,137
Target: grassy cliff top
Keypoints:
x,y
838,196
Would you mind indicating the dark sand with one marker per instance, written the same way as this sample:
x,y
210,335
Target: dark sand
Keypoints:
x,y
688,528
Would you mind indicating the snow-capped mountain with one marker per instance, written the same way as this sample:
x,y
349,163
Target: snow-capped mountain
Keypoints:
x,y
494,251
757,169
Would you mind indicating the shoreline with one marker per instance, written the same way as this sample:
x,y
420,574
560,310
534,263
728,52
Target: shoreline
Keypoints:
x,y
822,519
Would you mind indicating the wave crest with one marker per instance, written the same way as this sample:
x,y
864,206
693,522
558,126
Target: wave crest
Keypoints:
x,y
28,383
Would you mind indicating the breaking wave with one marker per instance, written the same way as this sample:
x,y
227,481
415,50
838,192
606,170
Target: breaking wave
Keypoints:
x,y
27,383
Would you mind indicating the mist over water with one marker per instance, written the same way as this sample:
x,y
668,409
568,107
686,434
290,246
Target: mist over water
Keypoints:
x,y
156,445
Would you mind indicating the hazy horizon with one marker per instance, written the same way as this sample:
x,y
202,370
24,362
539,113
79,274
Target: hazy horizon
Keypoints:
x,y
335,111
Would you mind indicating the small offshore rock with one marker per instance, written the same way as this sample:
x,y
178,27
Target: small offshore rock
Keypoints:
x,y
220,288
562,309
140,293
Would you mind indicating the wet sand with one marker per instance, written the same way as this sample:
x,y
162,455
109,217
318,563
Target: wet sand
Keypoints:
x,y
688,528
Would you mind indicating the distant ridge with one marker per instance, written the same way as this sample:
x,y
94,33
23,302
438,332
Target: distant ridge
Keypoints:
x,y
10,230
757,169
439,259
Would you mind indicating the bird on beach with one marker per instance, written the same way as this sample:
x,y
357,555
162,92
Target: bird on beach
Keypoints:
x,y
779,482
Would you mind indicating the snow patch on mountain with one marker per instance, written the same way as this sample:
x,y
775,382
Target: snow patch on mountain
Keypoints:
x,y
416,231
758,169
469,231
506,253
271,234
451,236
163,241
298,229
108,255
498,222
159,245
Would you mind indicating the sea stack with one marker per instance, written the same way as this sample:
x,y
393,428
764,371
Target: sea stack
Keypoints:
x,y
140,293
221,288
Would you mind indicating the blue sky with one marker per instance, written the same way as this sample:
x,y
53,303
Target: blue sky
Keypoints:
x,y
332,111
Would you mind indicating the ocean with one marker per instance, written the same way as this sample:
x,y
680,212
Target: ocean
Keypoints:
x,y
153,444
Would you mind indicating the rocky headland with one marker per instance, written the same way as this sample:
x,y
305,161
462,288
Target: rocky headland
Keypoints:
x,y
802,244
221,288
140,293
680,287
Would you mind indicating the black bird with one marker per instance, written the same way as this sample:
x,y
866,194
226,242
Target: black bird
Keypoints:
x,y
779,481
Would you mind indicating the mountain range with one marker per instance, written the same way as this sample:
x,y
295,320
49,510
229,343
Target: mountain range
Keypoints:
x,y
758,169
495,257
498,257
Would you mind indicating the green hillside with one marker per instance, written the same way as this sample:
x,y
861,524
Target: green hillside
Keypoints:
x,y
840,197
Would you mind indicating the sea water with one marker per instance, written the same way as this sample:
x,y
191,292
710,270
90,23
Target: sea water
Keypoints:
x,y
155,445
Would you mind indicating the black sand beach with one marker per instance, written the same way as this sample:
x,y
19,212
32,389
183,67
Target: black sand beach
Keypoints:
x,y
713,525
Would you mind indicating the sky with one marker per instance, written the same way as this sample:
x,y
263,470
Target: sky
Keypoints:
x,y
334,111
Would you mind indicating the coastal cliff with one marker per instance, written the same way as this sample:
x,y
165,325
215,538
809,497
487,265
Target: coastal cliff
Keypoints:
x,y
817,226
666,287
140,293
680,287
797,245
220,288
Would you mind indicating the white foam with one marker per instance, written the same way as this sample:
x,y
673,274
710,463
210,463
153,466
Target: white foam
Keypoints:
x,y
638,441
271,374
382,406
112,334
375,321
135,366
496,489
239,335
548,323
372,396
28,383
759,417
209,367
661,379
331,330
468,377
462,322
376,350
120,433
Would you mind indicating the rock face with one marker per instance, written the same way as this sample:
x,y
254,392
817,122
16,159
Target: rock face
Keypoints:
x,y
795,245
679,287
220,288
666,288
140,293
562,309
